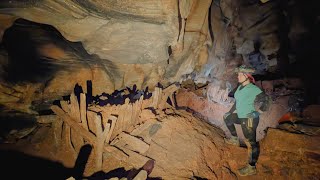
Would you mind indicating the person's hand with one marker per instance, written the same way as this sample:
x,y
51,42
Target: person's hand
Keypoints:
x,y
226,115
253,115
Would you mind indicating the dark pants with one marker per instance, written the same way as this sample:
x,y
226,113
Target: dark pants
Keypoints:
x,y
249,128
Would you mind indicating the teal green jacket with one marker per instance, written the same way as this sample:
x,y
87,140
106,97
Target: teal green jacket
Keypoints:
x,y
245,97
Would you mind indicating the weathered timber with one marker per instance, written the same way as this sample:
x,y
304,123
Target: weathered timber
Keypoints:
x,y
83,111
128,141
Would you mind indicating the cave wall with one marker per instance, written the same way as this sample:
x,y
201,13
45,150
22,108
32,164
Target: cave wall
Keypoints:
x,y
115,44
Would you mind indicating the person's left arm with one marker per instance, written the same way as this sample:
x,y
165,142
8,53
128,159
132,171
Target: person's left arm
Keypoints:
x,y
259,102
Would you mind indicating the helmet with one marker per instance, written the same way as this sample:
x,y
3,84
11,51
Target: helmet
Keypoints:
x,y
244,69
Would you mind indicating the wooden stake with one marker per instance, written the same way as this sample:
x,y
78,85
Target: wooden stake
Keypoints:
x,y
66,136
83,111
74,105
100,141
113,124
91,122
76,140
166,93
57,131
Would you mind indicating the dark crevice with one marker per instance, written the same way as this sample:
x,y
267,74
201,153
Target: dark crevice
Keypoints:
x,y
179,19
284,29
169,50
210,23
225,19
307,50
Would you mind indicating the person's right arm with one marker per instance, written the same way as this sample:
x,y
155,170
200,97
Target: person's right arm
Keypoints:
x,y
233,108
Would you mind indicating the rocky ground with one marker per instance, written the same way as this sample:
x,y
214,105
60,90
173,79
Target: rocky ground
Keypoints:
x,y
183,147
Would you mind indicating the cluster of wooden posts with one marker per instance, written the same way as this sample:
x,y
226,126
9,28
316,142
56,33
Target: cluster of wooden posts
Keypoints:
x,y
79,123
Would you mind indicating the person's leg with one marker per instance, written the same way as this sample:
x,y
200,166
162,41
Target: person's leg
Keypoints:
x,y
249,128
230,121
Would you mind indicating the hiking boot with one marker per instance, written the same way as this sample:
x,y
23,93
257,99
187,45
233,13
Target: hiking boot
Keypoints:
x,y
247,170
234,140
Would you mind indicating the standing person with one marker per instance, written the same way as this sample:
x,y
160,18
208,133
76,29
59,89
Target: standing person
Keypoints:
x,y
247,96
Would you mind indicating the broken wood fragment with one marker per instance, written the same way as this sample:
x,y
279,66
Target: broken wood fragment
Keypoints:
x,y
65,106
115,152
113,124
135,159
46,119
128,141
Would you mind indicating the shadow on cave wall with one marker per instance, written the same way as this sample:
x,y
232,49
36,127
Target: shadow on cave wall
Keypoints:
x,y
308,50
27,64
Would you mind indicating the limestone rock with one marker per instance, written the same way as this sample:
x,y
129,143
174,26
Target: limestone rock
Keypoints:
x,y
291,156
183,148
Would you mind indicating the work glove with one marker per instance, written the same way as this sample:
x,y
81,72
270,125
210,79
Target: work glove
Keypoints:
x,y
253,115
226,115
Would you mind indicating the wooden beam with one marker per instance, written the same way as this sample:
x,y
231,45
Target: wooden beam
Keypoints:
x,y
73,124
101,135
